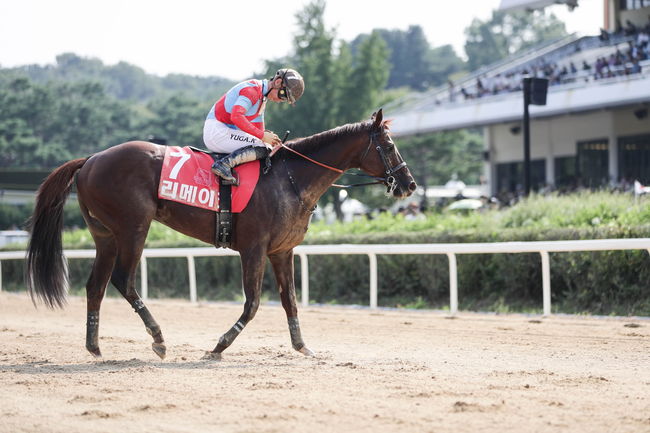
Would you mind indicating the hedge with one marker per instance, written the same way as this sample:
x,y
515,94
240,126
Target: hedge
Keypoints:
x,y
606,282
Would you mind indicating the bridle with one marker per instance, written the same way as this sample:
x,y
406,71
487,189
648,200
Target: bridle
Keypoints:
x,y
389,178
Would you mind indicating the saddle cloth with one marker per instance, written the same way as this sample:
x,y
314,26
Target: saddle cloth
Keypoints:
x,y
186,178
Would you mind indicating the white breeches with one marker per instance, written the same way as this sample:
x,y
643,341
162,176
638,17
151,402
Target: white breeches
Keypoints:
x,y
220,138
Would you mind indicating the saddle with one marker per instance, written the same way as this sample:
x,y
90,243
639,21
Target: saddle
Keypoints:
x,y
186,178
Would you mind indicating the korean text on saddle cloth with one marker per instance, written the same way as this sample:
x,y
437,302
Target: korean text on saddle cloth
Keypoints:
x,y
186,178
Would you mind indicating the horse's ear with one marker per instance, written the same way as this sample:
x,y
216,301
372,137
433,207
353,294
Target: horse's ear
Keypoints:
x,y
377,118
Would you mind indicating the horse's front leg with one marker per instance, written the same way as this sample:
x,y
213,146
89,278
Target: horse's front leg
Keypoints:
x,y
283,269
253,272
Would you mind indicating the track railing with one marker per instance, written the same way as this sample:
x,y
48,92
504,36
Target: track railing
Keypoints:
x,y
371,250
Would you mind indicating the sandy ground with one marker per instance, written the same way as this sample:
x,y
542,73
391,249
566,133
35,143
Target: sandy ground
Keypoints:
x,y
375,371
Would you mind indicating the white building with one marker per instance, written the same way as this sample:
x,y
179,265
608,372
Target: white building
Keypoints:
x,y
595,127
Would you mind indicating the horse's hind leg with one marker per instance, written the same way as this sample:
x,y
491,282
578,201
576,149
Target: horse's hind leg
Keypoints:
x,y
283,269
130,249
96,287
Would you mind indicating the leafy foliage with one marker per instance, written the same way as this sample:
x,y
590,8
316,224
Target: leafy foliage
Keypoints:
x,y
339,88
413,62
43,126
608,282
508,33
121,81
548,215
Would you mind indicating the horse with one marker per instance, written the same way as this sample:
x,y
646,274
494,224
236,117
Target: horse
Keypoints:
x,y
117,193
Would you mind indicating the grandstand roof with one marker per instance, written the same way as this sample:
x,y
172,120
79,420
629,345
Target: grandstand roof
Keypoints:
x,y
507,5
445,109
509,107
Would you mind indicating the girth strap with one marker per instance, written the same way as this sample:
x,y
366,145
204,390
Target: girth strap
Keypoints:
x,y
224,221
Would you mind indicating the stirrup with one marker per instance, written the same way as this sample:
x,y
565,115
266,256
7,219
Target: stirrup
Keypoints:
x,y
224,172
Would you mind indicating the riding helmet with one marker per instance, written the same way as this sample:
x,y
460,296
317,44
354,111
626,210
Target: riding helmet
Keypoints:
x,y
293,82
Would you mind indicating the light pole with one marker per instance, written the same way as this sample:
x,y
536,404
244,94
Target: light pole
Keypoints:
x,y
534,93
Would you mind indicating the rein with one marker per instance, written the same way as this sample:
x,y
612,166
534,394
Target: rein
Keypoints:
x,y
311,160
389,180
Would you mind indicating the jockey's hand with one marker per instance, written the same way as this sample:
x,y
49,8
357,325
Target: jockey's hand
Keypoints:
x,y
271,138
275,149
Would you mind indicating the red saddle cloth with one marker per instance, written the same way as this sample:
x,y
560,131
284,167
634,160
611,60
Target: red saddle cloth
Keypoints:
x,y
186,178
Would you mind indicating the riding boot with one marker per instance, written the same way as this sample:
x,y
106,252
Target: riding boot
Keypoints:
x,y
224,167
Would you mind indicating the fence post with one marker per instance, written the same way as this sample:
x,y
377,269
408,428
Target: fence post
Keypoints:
x,y
546,283
191,271
304,279
453,284
144,284
373,279
0,275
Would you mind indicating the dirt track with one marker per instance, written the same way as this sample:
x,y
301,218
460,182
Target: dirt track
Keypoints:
x,y
384,371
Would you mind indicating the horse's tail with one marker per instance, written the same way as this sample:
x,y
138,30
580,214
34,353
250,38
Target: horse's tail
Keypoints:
x,y
46,271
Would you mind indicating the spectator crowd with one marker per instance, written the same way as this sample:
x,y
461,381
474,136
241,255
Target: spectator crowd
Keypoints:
x,y
621,62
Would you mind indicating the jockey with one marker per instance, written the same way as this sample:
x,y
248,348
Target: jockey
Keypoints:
x,y
235,124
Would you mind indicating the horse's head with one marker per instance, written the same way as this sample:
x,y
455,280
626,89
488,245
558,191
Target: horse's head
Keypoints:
x,y
381,159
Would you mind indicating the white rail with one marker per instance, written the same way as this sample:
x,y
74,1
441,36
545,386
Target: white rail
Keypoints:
x,y
450,250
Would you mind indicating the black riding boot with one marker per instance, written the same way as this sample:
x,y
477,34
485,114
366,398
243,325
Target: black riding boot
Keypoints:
x,y
223,167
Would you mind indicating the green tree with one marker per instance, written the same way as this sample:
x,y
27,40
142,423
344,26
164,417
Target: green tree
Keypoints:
x,y
126,81
18,117
505,34
42,126
412,61
315,59
444,63
418,68
123,81
369,76
178,118
434,158
340,87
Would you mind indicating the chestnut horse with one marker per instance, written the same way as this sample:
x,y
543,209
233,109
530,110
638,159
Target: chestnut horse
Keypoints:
x,y
117,192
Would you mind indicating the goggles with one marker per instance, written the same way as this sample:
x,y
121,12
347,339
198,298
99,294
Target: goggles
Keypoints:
x,y
283,92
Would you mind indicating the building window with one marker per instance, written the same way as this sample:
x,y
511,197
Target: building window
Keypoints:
x,y
510,176
634,158
628,5
565,172
593,163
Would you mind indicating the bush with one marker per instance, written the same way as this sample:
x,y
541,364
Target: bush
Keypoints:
x,y
15,216
609,282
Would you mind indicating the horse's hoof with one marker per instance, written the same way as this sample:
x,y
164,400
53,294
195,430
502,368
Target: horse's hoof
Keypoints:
x,y
211,356
96,353
305,351
160,349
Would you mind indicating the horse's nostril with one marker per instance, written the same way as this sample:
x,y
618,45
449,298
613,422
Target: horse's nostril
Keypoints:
x,y
412,186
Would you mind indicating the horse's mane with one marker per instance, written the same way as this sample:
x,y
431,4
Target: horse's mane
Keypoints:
x,y
316,141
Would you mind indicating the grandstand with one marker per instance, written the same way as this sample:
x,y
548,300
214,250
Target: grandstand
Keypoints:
x,y
594,130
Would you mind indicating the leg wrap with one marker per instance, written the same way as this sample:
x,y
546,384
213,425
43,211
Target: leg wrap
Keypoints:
x,y
227,338
92,331
294,331
149,322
